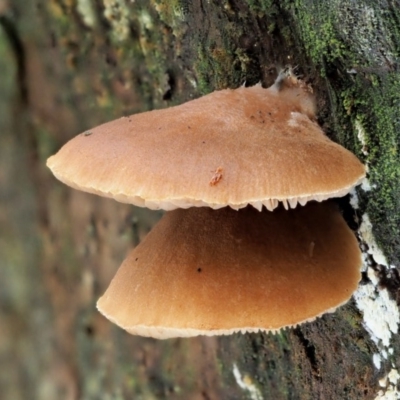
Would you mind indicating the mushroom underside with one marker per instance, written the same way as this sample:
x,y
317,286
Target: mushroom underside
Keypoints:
x,y
169,204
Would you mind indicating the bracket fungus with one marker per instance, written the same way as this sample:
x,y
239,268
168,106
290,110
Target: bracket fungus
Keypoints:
x,y
229,148
207,272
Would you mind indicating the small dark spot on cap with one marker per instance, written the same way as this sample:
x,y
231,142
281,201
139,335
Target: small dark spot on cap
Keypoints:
x,y
198,269
203,142
137,259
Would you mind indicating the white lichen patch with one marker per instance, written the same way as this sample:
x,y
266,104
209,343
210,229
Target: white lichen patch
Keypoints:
x,y
393,376
145,20
389,382
117,13
391,393
246,383
86,11
366,185
368,237
362,136
377,360
381,315
364,24
354,201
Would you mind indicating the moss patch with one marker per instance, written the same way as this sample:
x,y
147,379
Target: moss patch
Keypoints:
x,y
354,45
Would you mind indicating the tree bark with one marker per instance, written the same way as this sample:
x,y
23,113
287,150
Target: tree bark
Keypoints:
x,y
67,66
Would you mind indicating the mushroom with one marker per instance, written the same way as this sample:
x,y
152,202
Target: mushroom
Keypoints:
x,y
207,272
229,148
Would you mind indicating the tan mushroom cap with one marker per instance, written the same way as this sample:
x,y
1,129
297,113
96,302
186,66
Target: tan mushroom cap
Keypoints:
x,y
206,272
232,147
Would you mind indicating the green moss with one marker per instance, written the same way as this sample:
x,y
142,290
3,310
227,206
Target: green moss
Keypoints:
x,y
359,38
46,144
262,7
319,36
172,13
384,160
373,104
210,68
217,67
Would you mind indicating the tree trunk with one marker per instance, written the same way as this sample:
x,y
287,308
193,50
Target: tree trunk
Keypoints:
x,y
69,65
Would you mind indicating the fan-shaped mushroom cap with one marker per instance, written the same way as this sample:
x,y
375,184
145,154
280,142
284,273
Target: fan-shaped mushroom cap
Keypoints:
x,y
232,147
206,272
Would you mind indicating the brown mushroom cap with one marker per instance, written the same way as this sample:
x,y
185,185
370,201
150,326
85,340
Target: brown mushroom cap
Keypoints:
x,y
232,147
206,272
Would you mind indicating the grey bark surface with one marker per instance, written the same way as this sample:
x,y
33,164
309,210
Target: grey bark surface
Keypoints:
x,y
69,65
